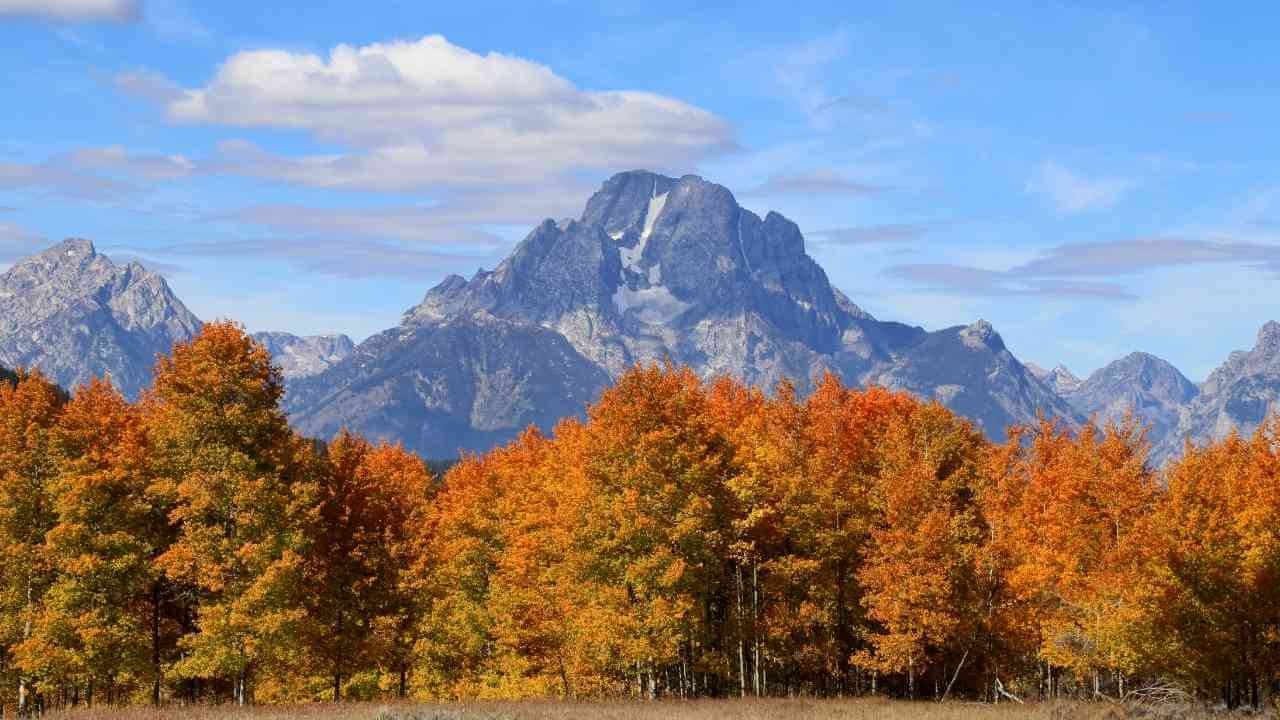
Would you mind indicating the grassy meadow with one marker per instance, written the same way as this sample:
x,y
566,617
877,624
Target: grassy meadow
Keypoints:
x,y
752,709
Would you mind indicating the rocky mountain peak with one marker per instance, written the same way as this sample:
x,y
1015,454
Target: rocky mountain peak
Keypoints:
x,y
655,268
982,336
74,314
300,357
1269,337
1060,379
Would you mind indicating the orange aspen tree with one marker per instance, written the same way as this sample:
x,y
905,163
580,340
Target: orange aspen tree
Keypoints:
x,y
1073,516
919,572
102,618
1218,571
238,480
29,411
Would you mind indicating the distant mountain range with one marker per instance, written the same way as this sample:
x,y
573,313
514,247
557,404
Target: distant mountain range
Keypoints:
x,y
75,314
655,269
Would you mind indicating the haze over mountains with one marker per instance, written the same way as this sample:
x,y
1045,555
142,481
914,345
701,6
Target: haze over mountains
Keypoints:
x,y
655,268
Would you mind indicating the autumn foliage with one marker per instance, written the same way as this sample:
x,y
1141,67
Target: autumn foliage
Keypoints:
x,y
685,538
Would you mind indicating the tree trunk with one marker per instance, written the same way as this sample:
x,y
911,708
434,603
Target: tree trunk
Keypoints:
x,y
337,687
403,690
742,653
755,625
24,699
155,644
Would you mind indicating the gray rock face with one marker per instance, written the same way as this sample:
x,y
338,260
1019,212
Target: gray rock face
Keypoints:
x,y
970,370
74,314
1238,395
1142,384
305,356
656,268
468,383
1059,379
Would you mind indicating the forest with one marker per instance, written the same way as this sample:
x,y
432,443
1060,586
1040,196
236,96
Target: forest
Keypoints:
x,y
687,538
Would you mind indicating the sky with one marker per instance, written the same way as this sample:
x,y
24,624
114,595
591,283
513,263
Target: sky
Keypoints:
x,y
1091,178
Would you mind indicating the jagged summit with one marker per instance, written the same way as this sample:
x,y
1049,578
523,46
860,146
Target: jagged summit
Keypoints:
x,y
1239,395
1269,336
304,356
1139,384
982,335
74,314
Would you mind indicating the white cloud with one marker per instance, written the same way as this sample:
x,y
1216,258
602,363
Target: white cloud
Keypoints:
x,y
75,10
1071,192
97,174
428,113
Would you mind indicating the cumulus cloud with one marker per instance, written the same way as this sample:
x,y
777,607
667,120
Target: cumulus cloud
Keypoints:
x,y
428,113
869,234
1071,192
1087,269
74,10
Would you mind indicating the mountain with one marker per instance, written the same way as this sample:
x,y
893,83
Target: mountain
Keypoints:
x,y
74,314
1238,395
304,356
655,269
1059,379
469,382
970,370
1152,389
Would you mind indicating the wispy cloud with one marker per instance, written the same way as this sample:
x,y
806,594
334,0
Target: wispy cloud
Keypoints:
x,y
800,70
964,280
815,182
95,174
1128,257
1072,192
351,258
869,234
1087,269
17,242
74,10
148,85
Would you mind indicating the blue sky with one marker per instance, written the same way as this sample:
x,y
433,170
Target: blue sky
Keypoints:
x,y
1091,178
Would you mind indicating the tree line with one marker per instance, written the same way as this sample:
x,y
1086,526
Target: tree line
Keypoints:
x,y
686,538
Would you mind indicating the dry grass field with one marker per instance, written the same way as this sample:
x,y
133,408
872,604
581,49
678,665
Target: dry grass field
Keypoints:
x,y
763,709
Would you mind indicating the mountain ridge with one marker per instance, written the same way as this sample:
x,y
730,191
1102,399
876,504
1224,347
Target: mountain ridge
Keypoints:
x,y
656,268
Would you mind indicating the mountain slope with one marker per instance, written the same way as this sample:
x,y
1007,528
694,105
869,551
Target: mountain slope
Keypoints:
x,y
969,369
75,314
1059,379
655,269
438,387
1153,390
1238,395
303,356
